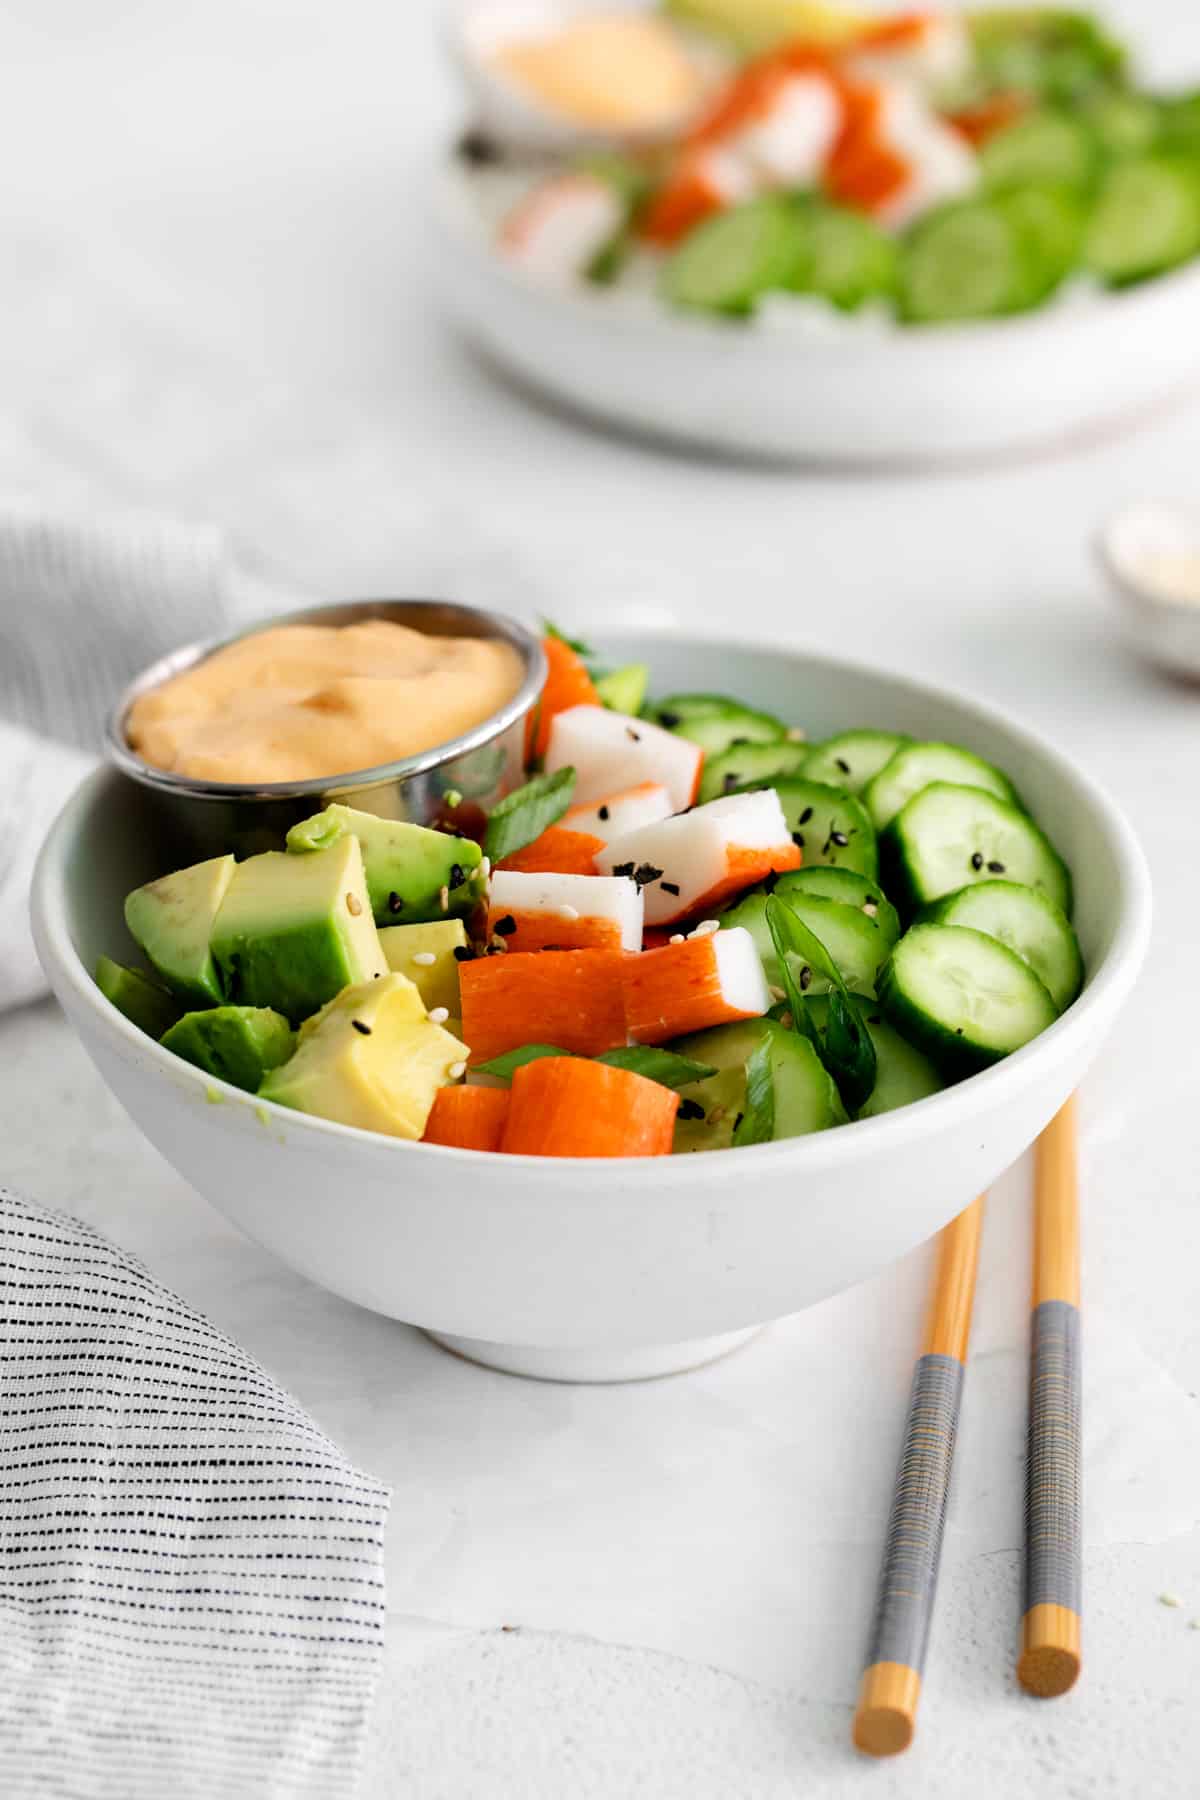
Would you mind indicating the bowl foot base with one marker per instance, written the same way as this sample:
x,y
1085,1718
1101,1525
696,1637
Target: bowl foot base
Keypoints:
x,y
547,1363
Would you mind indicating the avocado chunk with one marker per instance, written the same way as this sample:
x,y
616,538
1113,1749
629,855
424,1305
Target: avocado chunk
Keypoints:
x,y
372,1058
145,1004
710,1110
294,930
413,874
408,949
172,919
239,1044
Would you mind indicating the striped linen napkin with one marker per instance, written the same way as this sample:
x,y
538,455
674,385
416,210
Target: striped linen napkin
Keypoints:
x,y
191,1574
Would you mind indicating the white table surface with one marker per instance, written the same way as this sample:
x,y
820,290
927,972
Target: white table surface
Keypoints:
x,y
214,303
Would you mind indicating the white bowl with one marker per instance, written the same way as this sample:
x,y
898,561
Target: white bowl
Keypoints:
x,y
803,383
597,1270
1164,630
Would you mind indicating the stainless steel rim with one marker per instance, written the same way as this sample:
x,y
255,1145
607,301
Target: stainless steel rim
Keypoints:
x,y
432,616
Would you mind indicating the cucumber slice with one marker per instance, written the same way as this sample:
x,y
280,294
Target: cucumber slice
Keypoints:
x,y
624,690
916,765
857,945
902,1074
1124,124
830,826
851,889
1029,923
1146,219
1048,51
716,723
1043,146
852,758
731,261
847,260
1179,121
743,764
966,260
789,1092
709,1110
1053,221
962,998
949,837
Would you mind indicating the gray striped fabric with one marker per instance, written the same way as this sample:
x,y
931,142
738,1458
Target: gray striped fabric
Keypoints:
x,y
1053,1470
191,1581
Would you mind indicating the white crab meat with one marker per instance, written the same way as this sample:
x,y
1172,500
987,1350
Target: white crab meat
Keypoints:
x,y
790,143
698,860
941,163
557,232
932,52
615,814
610,751
565,912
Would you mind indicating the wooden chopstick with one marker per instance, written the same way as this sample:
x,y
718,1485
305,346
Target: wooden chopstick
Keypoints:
x,y
1050,1657
886,1715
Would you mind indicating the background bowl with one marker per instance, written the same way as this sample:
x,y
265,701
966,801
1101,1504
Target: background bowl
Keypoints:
x,y
594,1270
192,819
814,387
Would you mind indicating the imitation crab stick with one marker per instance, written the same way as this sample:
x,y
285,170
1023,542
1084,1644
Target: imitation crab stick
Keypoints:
x,y
713,978
925,49
566,912
557,852
571,998
568,683
468,1118
614,814
694,862
610,751
895,157
562,1106
562,226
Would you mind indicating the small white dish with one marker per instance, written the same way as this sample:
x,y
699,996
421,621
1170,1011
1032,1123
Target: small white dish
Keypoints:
x,y
803,382
591,1270
1150,553
509,114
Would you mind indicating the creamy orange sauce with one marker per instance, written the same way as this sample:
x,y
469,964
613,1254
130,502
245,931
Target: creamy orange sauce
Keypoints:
x,y
623,71
299,702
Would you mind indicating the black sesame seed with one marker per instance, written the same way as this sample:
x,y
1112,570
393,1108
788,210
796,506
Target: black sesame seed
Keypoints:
x,y
623,868
798,839
839,838
805,979
604,814
670,887
691,1109
463,953
645,873
457,875
842,764
395,903
479,150
996,868
739,743
670,720
805,816
977,861
359,1026
958,1031
738,1121
506,926
730,781
635,737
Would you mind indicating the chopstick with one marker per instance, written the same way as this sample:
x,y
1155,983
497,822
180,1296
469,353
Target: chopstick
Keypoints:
x,y
890,1692
1050,1657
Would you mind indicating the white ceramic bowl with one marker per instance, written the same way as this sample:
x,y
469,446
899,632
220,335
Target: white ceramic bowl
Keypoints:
x,y
789,388
596,1270
1164,630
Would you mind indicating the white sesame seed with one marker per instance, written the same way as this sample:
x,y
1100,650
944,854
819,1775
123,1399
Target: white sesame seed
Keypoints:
x,y
444,899
677,939
870,908
485,867
706,927
439,1015
797,735
424,959
568,912
456,1071
1169,1600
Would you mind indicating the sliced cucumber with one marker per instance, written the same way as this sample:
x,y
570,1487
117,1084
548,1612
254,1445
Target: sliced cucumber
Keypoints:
x,y
1053,220
852,758
716,723
1043,146
624,690
710,1110
902,1073
829,826
916,765
949,837
789,1092
962,998
1029,923
1124,123
852,889
854,941
1179,121
847,259
731,261
966,260
1146,218
742,764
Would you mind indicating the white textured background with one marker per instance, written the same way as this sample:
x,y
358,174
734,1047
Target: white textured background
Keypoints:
x,y
212,300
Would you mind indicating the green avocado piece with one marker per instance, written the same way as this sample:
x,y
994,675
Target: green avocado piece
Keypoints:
x,y
172,919
409,868
294,930
145,1004
720,1098
427,955
239,1044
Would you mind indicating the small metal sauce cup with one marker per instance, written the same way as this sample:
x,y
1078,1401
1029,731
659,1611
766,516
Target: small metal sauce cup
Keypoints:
x,y
197,819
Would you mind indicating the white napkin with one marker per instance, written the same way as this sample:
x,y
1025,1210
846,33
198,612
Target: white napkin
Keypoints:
x,y
191,1600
